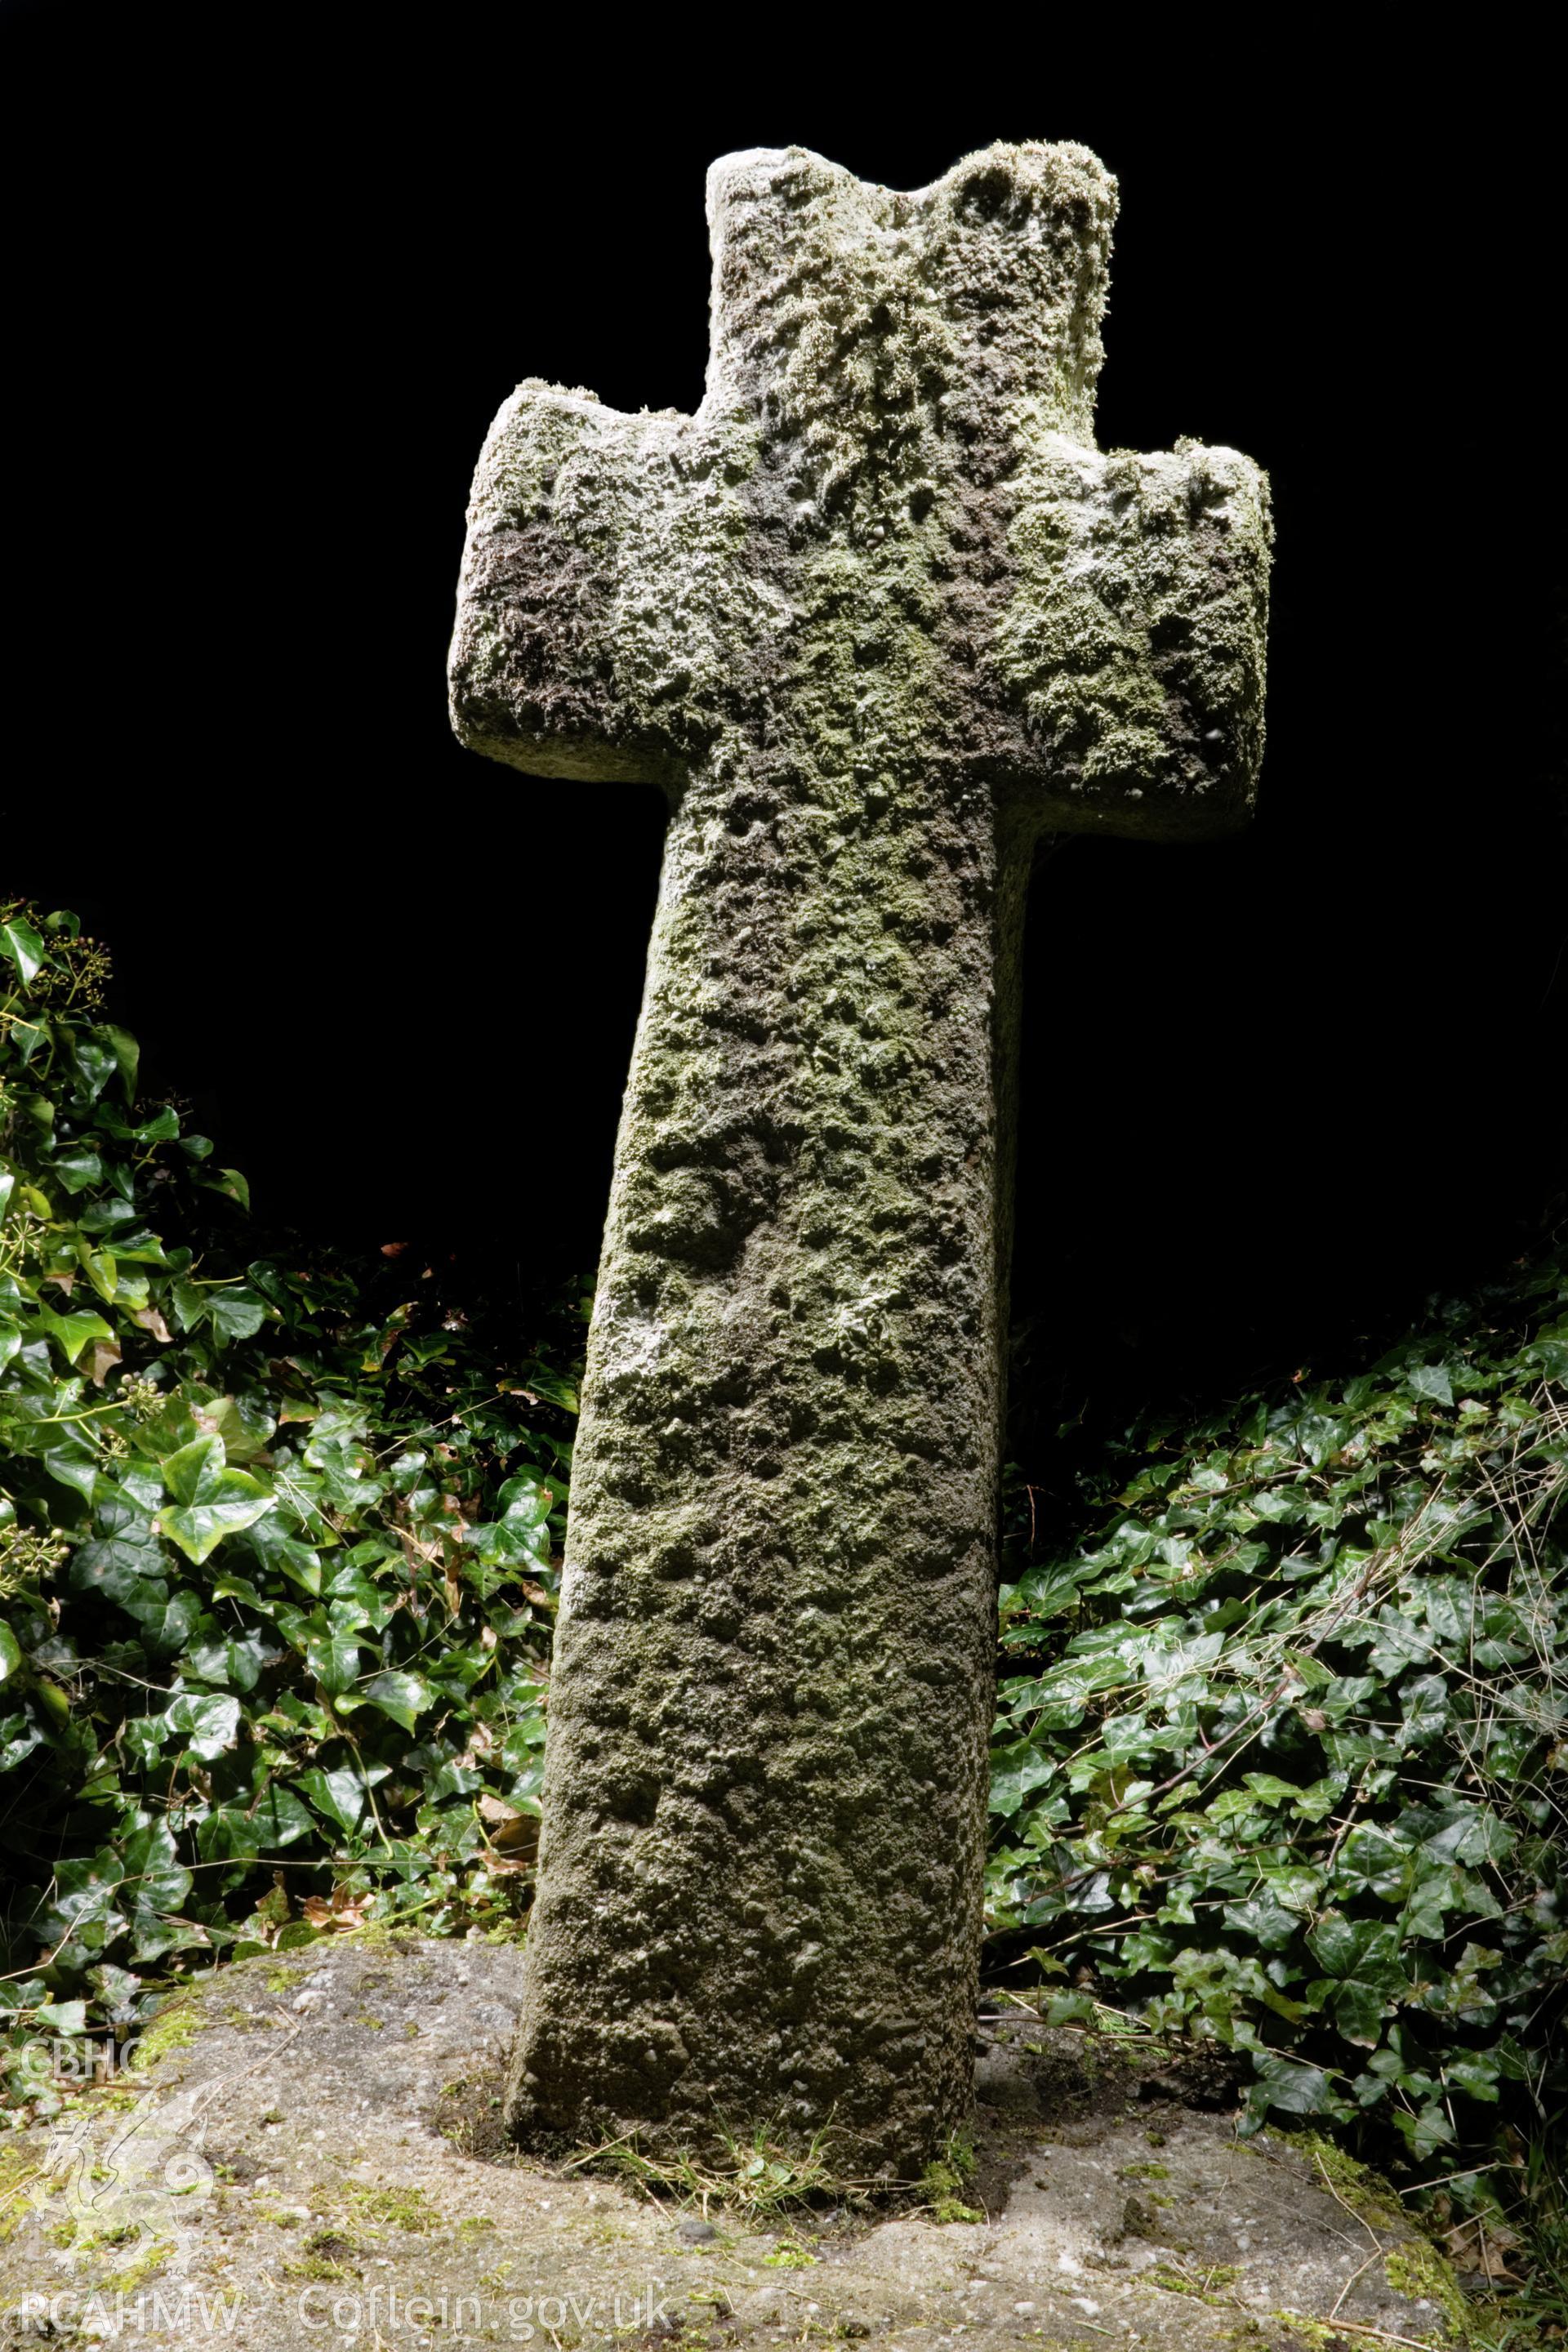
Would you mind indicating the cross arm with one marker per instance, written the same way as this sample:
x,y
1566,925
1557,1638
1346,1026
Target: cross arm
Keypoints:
x,y
560,637
1131,647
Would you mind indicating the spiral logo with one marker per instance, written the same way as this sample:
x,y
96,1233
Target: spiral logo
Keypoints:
x,y
187,2173
140,2171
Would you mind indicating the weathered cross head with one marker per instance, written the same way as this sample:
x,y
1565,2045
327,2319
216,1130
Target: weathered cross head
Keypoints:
x,y
898,426
878,616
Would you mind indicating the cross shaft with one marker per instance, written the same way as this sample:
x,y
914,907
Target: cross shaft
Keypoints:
x,y
878,617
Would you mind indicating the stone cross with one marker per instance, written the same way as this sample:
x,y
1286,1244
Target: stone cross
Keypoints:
x,y
878,617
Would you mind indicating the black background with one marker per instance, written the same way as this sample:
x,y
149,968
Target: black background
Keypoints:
x,y
267,280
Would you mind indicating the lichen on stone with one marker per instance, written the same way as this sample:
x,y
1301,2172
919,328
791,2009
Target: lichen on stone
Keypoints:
x,y
876,617
1135,638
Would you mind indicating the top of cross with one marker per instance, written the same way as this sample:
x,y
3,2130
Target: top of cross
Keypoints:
x,y
886,535
993,278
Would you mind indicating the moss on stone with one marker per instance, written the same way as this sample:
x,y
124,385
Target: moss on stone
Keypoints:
x,y
944,2182
876,617
1215,2283
1363,2191
406,2208
1414,2267
1417,2269
19,2168
177,2023
1134,638
148,2264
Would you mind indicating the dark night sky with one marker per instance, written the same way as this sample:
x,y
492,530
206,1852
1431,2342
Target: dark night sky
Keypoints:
x,y
264,297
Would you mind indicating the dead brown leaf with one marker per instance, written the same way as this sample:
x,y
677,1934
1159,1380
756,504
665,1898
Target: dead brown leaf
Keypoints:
x,y
341,1910
1481,2249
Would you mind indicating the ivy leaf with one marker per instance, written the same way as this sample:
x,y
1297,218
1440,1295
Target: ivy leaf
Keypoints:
x,y
233,1185
1477,2075
198,1529
190,1306
1263,1922
74,1334
424,1348
1434,1893
228,1835
1016,1773
209,1725
369,1605
518,1539
403,1696
339,1794
281,1819
1231,1805
120,1567
74,1464
1317,1802
542,1382
153,1876
75,1170
234,1314
1426,2131
1471,1836
127,1055
336,1454
285,1554
66,2018
95,1058
239,1832
1291,2088
191,1472
167,1619
23,947
245,1431
526,1500
1364,1974
144,1737
1267,1789
211,1501
331,1654
238,1661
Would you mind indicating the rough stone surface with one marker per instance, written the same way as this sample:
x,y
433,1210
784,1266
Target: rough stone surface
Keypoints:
x,y
878,617
303,2170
